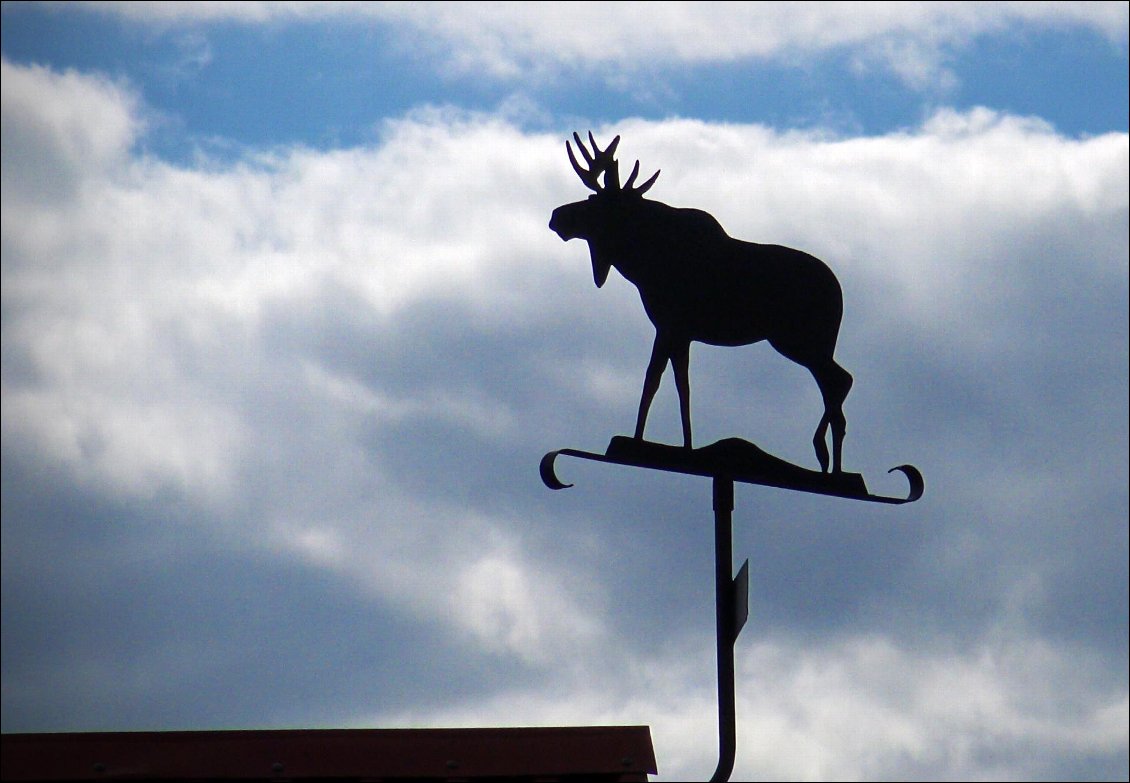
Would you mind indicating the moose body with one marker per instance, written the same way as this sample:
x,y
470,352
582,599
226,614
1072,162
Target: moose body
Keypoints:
x,y
697,283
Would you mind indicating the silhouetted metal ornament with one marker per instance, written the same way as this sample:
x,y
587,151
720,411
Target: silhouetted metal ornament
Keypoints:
x,y
735,459
698,284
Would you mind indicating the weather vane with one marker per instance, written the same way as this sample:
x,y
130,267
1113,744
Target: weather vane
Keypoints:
x,y
698,284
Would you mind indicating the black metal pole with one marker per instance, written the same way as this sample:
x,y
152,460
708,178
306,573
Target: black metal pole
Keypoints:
x,y
725,621
726,462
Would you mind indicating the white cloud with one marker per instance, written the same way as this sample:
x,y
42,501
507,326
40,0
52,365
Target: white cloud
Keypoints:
x,y
517,40
453,567
868,709
861,708
86,127
139,303
285,340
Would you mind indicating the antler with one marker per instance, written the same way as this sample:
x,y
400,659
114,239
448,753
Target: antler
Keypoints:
x,y
645,187
599,161
603,161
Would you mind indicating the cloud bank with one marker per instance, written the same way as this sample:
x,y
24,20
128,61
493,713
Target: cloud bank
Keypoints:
x,y
545,40
342,367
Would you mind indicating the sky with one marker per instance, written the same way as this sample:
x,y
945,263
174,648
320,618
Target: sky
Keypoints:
x,y
286,333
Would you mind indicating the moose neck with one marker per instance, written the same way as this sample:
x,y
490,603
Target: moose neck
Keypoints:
x,y
641,242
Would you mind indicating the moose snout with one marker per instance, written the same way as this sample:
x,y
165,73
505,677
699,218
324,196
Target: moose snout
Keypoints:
x,y
555,224
560,224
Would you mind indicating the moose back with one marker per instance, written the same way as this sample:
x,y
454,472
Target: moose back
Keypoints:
x,y
699,284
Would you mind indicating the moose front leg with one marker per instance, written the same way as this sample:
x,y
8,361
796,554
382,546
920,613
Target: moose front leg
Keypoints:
x,y
680,365
660,354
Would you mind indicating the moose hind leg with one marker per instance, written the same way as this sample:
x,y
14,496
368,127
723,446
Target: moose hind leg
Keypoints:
x,y
819,442
835,383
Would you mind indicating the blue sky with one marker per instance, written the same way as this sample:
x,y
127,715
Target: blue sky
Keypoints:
x,y
285,335
325,82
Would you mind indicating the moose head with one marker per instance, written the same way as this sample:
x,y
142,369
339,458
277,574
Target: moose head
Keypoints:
x,y
598,218
699,284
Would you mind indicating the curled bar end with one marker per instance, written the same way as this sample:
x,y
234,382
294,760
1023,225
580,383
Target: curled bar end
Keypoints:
x,y
917,484
548,477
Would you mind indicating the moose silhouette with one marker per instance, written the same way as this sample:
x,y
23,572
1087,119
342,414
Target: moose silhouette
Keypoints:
x,y
697,283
